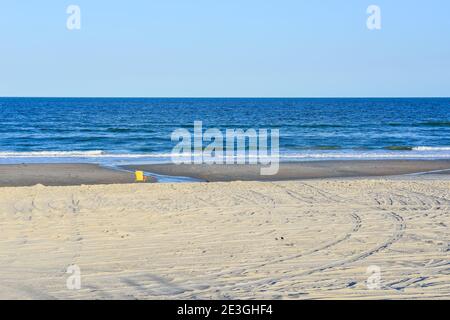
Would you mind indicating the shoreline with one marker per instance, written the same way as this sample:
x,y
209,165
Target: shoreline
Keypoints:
x,y
16,175
25,175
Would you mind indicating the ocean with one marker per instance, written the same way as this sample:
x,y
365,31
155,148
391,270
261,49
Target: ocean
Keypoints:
x,y
138,130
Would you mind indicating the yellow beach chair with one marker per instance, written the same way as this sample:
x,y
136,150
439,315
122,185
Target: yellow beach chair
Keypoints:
x,y
140,177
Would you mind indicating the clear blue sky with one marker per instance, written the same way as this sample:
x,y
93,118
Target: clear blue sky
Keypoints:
x,y
225,48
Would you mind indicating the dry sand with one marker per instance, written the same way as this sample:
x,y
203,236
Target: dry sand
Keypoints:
x,y
256,240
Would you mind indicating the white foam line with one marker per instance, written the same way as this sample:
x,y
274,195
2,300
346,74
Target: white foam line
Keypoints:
x,y
425,172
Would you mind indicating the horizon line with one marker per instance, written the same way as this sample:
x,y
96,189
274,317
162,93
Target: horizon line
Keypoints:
x,y
223,97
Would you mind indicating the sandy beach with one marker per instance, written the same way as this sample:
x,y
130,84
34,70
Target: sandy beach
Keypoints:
x,y
306,239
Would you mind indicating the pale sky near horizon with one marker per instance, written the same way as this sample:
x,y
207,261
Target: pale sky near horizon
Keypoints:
x,y
232,48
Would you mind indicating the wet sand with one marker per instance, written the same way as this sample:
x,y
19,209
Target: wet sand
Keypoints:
x,y
60,175
298,170
91,174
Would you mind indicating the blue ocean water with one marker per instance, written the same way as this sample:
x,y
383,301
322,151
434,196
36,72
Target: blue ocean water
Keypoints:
x,y
133,130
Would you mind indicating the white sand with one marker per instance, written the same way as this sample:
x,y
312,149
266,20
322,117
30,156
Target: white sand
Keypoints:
x,y
218,240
